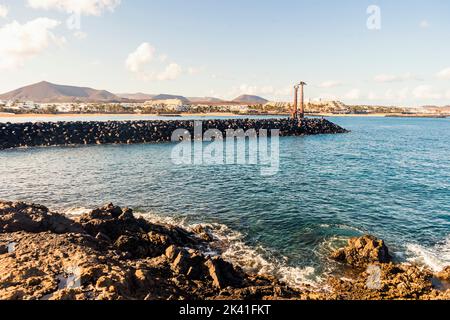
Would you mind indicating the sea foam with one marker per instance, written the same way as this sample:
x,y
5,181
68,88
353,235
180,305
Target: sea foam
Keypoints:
x,y
231,246
435,257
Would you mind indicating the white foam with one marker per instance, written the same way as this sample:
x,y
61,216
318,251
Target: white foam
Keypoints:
x,y
436,257
231,246
73,212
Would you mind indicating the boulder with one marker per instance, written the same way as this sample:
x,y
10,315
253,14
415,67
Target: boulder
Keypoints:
x,y
190,263
19,216
444,274
113,222
224,274
363,251
203,233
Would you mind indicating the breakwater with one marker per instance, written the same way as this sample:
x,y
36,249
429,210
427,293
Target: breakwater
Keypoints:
x,y
14,135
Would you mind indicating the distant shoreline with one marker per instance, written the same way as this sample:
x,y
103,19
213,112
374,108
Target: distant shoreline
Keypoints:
x,y
213,114
75,115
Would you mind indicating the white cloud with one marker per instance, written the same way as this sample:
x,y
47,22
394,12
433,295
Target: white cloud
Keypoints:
x,y
3,11
80,35
140,57
330,84
325,97
266,91
20,42
283,92
139,62
194,70
444,74
163,57
394,78
372,96
426,92
172,72
447,94
246,89
353,94
424,24
84,7
399,95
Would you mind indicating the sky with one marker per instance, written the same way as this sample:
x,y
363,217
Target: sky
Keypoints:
x,y
358,51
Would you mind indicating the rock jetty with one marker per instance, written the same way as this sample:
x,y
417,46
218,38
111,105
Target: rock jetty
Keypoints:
x,y
13,135
110,254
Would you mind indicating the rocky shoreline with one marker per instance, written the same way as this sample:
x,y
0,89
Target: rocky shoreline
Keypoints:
x,y
14,135
109,254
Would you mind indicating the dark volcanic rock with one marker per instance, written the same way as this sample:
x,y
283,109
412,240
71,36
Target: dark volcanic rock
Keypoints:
x,y
114,256
395,282
224,274
363,251
109,254
33,218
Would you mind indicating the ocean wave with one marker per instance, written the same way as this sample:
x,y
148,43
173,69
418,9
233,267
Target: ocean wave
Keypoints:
x,y
436,257
231,246
73,212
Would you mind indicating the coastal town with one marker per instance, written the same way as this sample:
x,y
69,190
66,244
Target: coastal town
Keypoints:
x,y
49,98
177,106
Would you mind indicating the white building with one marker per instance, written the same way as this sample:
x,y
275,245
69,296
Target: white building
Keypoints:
x,y
27,105
277,104
239,108
169,104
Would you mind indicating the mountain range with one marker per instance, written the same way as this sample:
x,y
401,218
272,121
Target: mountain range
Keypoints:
x,y
46,92
250,99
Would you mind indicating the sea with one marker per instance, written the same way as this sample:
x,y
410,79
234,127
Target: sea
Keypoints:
x,y
389,177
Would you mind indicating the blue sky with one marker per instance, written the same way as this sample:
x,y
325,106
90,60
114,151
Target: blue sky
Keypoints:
x,y
226,48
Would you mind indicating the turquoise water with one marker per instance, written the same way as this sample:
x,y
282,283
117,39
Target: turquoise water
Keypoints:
x,y
389,177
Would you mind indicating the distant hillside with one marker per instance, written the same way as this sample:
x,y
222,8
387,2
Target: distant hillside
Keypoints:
x,y
437,109
136,96
250,99
205,100
49,92
169,96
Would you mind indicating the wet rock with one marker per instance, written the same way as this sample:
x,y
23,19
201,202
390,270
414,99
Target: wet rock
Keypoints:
x,y
203,233
363,251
